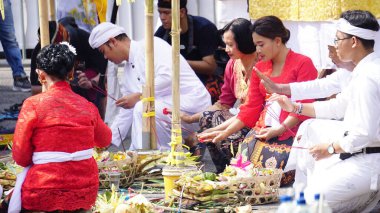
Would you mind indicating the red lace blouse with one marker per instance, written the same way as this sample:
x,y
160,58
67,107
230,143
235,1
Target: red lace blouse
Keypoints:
x,y
297,68
59,120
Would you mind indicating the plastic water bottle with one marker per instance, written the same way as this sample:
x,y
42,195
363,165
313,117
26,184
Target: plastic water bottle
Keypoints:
x,y
319,206
286,205
301,206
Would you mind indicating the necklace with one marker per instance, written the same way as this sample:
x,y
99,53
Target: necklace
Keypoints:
x,y
242,80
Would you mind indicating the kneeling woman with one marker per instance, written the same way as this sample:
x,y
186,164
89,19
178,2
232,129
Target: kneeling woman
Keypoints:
x,y
270,124
54,137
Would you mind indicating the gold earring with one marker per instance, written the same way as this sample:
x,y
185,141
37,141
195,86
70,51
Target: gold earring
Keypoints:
x,y
71,76
42,81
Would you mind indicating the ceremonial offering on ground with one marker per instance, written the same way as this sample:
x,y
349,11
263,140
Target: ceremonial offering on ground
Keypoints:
x,y
171,175
260,186
124,163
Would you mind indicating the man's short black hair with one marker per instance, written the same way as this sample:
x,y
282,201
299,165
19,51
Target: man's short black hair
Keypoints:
x,y
168,4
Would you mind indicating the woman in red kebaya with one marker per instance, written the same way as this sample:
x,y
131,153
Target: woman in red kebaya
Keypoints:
x,y
54,137
270,125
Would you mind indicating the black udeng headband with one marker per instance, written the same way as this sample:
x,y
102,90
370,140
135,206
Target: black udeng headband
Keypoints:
x,y
168,4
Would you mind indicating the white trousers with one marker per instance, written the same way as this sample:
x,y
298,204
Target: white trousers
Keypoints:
x,y
350,185
128,118
163,127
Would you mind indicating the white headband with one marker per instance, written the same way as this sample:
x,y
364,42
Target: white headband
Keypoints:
x,y
344,26
102,33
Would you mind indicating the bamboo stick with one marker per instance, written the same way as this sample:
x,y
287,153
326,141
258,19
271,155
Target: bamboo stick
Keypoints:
x,y
52,10
149,123
175,209
44,24
186,210
176,123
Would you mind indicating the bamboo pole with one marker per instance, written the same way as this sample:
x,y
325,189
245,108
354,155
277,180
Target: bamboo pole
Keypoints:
x,y
176,120
52,10
44,23
149,123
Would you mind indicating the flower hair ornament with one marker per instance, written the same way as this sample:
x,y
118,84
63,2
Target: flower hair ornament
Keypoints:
x,y
71,47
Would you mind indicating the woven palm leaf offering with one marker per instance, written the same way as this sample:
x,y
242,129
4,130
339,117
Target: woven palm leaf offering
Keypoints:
x,y
204,189
251,185
150,164
115,202
8,173
122,162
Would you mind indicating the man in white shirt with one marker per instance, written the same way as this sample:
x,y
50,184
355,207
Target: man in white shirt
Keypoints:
x,y
347,152
112,41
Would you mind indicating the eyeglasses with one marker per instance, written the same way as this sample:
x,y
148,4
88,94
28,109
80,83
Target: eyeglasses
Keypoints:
x,y
339,39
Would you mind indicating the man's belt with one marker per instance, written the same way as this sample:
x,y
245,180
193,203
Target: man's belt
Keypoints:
x,y
367,150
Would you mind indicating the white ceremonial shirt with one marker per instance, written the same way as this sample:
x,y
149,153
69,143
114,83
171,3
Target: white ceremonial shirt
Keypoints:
x,y
359,105
321,88
194,97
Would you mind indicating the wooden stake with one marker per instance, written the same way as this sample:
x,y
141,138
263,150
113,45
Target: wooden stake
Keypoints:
x,y
52,10
176,120
149,124
44,23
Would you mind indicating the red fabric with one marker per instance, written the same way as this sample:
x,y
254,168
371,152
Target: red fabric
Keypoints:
x,y
228,96
297,68
59,120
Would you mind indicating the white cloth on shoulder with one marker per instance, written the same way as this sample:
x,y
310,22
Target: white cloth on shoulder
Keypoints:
x,y
15,203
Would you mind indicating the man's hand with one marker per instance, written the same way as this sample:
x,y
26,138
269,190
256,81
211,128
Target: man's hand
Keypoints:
x,y
272,87
284,102
319,151
83,81
128,101
206,66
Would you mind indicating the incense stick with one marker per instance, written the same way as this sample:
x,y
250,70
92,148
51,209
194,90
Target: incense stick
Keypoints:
x,y
98,89
121,140
276,117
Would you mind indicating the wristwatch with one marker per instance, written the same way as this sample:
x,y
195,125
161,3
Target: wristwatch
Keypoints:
x,y
331,149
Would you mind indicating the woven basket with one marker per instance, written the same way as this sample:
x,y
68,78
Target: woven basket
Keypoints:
x,y
145,159
126,167
258,190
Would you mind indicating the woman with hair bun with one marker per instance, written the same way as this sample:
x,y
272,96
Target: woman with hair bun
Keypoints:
x,y
54,137
272,129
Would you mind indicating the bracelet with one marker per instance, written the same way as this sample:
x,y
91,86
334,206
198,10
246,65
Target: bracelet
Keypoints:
x,y
300,108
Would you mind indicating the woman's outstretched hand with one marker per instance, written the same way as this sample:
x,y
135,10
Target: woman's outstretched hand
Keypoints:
x,y
284,102
213,136
269,133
